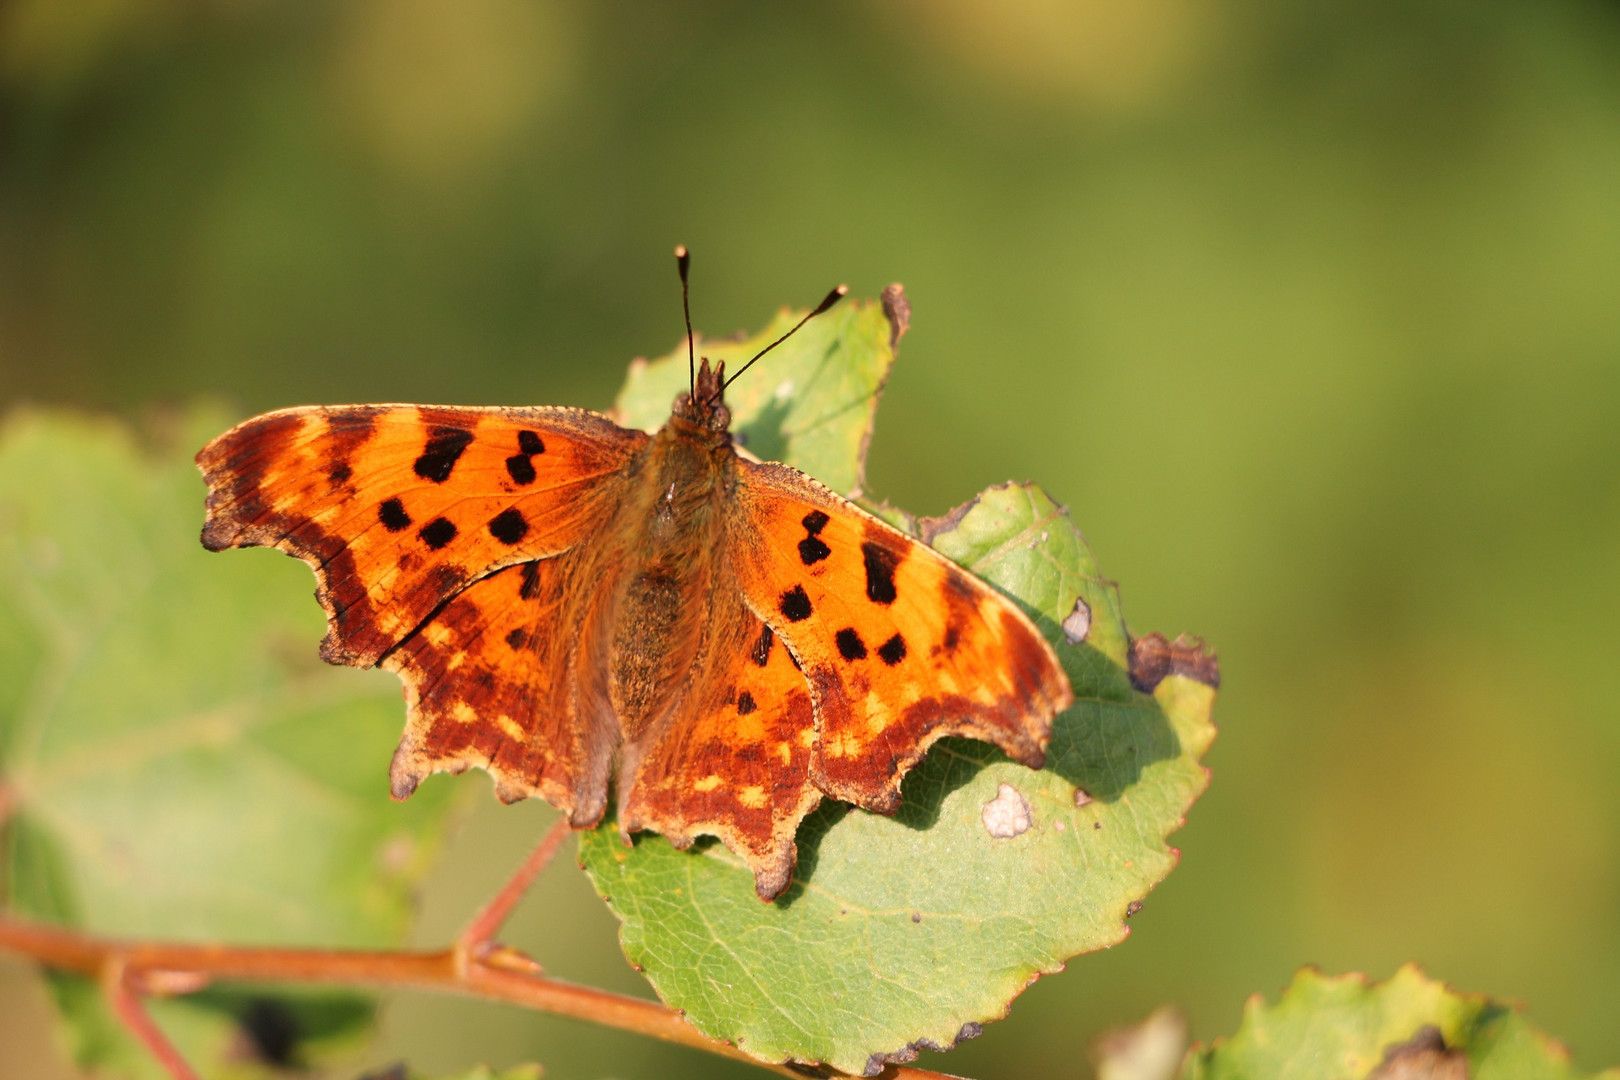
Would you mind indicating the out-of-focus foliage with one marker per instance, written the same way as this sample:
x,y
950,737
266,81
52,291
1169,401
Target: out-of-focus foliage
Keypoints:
x,y
176,764
1308,312
1408,1028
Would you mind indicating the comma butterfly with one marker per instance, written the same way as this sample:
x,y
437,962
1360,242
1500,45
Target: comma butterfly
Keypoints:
x,y
576,606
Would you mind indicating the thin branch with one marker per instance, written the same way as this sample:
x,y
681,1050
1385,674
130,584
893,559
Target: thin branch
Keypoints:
x,y
127,1007
495,979
480,932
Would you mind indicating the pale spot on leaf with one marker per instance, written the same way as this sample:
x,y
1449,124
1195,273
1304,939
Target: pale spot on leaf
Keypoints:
x,y
1077,625
1007,815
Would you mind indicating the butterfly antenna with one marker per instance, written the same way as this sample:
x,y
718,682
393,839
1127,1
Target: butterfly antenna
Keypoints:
x,y
683,263
832,298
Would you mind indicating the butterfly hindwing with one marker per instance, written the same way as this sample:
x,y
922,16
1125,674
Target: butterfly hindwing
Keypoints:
x,y
899,645
733,759
493,679
398,507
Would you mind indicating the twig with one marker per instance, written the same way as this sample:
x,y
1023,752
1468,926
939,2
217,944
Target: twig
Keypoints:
x,y
477,941
446,971
127,1007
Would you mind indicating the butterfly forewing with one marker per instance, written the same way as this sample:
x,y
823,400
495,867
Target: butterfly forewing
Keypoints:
x,y
398,507
899,645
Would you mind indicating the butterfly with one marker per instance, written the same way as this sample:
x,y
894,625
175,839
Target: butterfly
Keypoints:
x,y
582,608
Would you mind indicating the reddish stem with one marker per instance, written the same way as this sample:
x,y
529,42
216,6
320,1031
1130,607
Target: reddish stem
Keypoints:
x,y
489,920
447,971
127,1007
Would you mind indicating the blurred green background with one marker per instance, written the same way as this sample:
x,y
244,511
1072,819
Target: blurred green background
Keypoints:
x,y
1311,315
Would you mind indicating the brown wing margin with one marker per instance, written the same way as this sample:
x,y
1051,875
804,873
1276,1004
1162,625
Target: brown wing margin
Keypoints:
x,y
398,507
900,646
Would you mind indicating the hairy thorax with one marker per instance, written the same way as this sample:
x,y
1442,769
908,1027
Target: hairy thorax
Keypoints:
x,y
661,609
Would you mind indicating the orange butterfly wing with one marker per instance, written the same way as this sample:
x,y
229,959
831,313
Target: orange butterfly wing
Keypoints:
x,y
734,759
495,679
398,507
473,552
900,646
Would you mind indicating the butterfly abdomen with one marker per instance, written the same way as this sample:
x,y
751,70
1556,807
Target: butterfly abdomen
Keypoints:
x,y
668,530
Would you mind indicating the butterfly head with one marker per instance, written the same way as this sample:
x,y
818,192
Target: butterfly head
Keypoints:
x,y
704,406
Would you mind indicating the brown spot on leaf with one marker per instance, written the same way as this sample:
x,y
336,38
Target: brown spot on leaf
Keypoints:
x,y
1422,1057
897,309
1153,659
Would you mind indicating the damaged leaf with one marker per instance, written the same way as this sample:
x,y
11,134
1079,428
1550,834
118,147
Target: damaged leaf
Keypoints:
x,y
912,931
180,764
1411,1027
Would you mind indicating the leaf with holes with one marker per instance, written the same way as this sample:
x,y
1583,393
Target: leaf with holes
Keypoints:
x,y
178,762
912,931
1408,1027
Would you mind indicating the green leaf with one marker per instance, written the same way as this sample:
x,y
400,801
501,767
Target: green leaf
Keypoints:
x,y
1348,1027
911,931
180,763
479,1072
810,402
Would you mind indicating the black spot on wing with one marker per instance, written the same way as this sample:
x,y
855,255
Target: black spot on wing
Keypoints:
x,y
881,563
443,450
520,469
340,473
893,651
795,605
812,549
393,516
745,703
761,653
438,532
508,526
517,638
531,581
850,645
518,466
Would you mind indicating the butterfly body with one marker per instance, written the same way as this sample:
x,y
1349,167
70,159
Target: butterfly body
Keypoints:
x,y
582,609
